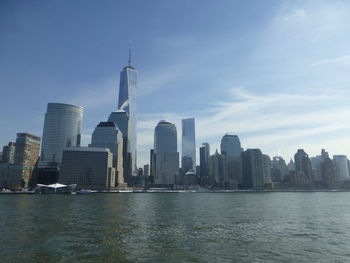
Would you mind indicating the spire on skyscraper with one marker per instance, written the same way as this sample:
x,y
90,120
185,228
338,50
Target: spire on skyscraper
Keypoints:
x,y
129,61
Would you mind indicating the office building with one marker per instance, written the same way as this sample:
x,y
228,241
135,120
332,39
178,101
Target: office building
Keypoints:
x,y
279,169
188,143
21,158
88,167
121,119
8,153
204,153
152,163
303,168
327,172
267,165
253,171
62,128
107,135
26,156
217,170
341,167
231,146
127,102
167,156
146,170
316,165
187,164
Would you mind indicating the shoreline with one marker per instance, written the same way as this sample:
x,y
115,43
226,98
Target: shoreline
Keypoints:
x,y
191,191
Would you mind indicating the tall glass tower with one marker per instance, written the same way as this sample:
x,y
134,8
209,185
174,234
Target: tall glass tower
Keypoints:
x,y
127,102
189,140
231,146
167,157
62,128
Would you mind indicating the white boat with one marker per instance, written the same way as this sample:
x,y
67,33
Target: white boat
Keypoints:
x,y
125,191
86,191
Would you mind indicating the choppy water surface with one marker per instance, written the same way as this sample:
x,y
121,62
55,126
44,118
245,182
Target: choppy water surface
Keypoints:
x,y
176,227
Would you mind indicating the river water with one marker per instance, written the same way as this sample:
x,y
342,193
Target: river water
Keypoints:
x,y
176,227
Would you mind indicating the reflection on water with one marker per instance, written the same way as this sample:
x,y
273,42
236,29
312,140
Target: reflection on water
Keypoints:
x,y
175,227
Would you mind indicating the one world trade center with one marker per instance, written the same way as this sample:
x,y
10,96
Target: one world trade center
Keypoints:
x,y
127,103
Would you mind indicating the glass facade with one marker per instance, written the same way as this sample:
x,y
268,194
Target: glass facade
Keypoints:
x,y
204,152
189,140
107,135
121,119
127,102
62,128
231,146
341,167
167,157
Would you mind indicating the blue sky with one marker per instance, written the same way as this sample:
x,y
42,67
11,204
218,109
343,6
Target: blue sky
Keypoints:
x,y
274,72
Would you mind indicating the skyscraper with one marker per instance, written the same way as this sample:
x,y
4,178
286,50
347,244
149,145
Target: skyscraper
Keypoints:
x,y
267,165
127,102
217,170
62,128
107,135
279,169
303,167
341,167
121,119
26,156
189,141
253,173
165,149
231,146
204,153
327,172
8,153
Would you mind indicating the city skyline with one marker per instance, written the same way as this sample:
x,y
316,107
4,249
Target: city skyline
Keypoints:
x,y
274,74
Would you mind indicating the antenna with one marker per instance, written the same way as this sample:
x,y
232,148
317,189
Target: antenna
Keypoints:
x,y
129,61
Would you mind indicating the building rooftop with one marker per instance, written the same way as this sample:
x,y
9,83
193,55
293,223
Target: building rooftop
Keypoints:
x,y
164,122
231,134
63,104
25,134
106,124
130,67
86,149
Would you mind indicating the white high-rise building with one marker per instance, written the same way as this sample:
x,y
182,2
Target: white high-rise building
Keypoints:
x,y
62,129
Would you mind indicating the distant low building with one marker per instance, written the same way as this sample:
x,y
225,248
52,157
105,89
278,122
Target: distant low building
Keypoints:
x,y
88,168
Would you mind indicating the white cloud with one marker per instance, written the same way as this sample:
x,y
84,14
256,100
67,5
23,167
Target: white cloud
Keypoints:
x,y
276,123
338,61
96,95
295,14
